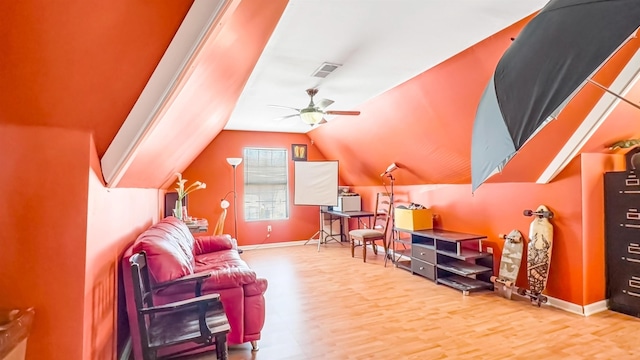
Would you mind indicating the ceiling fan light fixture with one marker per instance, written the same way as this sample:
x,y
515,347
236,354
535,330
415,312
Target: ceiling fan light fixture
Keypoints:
x,y
311,117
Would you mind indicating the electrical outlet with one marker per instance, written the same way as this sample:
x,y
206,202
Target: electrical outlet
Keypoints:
x,y
489,250
268,228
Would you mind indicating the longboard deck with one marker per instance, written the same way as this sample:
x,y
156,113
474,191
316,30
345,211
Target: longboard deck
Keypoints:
x,y
539,252
509,263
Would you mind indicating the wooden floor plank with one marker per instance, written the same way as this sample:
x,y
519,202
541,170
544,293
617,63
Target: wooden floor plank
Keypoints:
x,y
327,305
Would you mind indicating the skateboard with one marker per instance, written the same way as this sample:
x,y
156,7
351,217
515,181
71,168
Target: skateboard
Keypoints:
x,y
538,254
509,263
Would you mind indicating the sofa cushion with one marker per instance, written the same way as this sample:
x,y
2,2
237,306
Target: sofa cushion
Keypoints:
x,y
212,243
227,269
169,247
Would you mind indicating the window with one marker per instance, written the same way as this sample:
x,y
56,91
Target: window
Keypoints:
x,y
266,186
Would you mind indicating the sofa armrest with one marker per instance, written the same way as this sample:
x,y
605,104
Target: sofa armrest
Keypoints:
x,y
198,278
213,243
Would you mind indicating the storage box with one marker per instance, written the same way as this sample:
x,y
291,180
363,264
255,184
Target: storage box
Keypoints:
x,y
419,219
348,203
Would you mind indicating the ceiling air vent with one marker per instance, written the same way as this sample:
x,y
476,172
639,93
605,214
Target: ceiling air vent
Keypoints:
x,y
325,69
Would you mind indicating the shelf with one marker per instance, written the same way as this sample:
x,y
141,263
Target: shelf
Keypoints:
x,y
424,246
404,264
446,257
403,252
463,268
465,254
464,284
403,241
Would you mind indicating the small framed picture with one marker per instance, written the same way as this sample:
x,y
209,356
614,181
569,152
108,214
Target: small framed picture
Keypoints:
x,y
299,152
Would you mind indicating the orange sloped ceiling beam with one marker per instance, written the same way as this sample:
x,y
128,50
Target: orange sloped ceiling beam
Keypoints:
x,y
197,112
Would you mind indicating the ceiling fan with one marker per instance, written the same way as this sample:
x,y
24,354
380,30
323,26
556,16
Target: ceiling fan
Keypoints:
x,y
313,114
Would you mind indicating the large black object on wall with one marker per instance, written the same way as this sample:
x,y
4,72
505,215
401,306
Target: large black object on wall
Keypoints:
x,y
170,202
622,241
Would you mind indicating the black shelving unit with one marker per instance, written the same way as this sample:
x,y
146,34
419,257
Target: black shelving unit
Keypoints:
x,y
447,257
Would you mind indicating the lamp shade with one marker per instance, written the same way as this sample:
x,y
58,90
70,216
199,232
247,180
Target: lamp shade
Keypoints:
x,y
234,161
224,204
311,117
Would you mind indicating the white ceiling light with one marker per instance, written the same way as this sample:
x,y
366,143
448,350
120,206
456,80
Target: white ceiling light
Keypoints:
x,y
311,116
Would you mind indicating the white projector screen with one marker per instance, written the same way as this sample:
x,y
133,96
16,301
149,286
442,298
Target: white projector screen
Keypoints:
x,y
315,183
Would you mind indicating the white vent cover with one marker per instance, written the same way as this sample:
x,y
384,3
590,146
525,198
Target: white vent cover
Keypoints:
x,y
325,69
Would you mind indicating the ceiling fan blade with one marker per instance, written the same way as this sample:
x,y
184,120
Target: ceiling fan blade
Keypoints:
x,y
284,107
338,112
323,103
285,117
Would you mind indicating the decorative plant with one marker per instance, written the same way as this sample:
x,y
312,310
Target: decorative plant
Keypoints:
x,y
623,144
182,192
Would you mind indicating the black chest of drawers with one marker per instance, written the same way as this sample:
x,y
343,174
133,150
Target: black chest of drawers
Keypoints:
x,y
622,241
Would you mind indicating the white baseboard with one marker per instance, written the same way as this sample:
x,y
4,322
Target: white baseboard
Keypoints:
x,y
595,308
586,310
279,244
565,305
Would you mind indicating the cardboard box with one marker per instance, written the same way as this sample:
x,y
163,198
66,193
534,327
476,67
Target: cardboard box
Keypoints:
x,y
420,219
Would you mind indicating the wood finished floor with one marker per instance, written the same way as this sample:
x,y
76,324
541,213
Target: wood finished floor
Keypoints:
x,y
327,305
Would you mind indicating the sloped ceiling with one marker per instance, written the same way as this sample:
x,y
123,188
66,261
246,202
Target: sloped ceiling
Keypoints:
x,y
81,65
211,91
84,67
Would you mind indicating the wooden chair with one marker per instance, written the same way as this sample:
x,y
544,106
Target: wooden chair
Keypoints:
x,y
378,232
190,324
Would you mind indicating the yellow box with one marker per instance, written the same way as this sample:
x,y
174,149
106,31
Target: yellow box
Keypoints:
x,y
419,219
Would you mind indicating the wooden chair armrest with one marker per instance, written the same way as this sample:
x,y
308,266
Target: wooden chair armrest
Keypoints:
x,y
197,277
193,302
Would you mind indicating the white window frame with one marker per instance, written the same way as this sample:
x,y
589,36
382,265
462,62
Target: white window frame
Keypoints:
x,y
266,196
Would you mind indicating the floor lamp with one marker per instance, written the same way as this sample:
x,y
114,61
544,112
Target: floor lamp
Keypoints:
x,y
235,162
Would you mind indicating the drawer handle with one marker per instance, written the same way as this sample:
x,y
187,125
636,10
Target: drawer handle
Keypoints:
x,y
421,267
632,182
421,253
633,250
633,216
633,293
632,260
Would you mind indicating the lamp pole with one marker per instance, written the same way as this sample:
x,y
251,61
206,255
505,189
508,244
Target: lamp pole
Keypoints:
x,y
235,204
235,162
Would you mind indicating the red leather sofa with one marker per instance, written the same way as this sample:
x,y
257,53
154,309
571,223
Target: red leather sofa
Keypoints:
x,y
173,252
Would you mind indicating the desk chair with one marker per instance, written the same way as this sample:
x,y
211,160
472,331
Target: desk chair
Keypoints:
x,y
377,232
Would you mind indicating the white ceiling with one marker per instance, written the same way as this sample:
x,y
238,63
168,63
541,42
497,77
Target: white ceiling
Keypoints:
x,y
379,43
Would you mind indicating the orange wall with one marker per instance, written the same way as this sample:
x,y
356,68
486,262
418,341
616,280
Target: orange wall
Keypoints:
x,y
212,168
61,234
593,166
43,226
576,198
497,208
115,218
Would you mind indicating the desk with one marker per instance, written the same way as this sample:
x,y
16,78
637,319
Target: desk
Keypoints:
x,y
341,215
